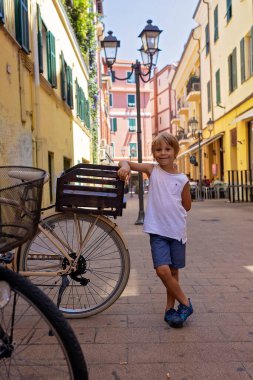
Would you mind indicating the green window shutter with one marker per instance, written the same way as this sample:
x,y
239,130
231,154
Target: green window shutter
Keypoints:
x,y
251,56
63,78
82,104
51,59
87,113
77,98
113,76
229,10
234,69
208,96
115,124
242,53
69,87
216,24
207,38
21,24
230,75
40,44
217,79
2,11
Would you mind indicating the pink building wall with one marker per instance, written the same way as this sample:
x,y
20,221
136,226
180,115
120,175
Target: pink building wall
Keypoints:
x,y
123,139
162,100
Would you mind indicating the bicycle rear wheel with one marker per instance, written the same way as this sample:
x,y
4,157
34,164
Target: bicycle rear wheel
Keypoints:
x,y
102,270
36,341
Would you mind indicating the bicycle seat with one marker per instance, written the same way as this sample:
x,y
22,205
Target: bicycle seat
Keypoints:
x,y
27,175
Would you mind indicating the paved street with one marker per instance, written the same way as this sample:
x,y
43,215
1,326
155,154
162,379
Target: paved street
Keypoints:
x,y
130,341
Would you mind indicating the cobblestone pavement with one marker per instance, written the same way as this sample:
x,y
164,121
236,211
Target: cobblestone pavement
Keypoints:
x,y
130,340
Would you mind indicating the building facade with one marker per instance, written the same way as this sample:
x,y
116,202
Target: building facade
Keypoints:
x,y
44,108
214,85
123,114
227,86
163,100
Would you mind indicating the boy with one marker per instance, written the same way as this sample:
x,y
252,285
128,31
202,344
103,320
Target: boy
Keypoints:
x,y
169,200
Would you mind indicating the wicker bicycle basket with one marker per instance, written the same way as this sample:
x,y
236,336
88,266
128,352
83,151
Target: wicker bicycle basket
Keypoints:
x,y
20,204
90,189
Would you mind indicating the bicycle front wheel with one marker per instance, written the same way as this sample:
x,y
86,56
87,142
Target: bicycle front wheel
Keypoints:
x,y
36,341
102,269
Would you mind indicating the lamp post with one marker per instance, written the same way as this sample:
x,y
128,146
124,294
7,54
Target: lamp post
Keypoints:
x,y
149,53
197,133
132,154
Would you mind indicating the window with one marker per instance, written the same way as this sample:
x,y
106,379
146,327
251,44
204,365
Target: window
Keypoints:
x,y
132,150
229,10
217,83
113,124
66,82
216,24
131,77
82,106
246,55
208,96
111,100
132,125
2,11
113,76
207,39
232,71
21,24
66,163
47,57
131,100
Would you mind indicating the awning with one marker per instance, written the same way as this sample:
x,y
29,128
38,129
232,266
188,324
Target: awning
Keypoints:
x,y
194,147
244,116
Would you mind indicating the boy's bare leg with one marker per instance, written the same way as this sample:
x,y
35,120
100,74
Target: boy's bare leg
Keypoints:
x,y
171,284
170,298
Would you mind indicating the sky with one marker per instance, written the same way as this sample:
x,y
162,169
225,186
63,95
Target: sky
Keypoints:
x,y
127,18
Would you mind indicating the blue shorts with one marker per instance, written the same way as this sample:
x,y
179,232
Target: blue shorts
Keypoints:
x,y
167,251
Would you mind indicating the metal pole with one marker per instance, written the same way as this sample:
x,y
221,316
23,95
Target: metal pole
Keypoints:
x,y
130,180
200,167
137,68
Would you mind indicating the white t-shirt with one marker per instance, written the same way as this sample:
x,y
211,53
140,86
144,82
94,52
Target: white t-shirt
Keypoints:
x,y
165,215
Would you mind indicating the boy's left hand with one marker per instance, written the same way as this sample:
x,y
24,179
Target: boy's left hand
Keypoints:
x,y
123,173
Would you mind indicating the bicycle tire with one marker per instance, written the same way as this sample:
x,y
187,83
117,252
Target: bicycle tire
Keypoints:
x,y
104,263
45,346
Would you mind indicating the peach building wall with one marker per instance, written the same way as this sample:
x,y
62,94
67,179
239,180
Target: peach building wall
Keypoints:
x,y
123,139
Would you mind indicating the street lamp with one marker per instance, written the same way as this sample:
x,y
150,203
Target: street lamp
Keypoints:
x,y
149,53
197,133
210,125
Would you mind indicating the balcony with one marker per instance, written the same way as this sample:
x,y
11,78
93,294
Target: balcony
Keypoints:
x,y
193,89
175,119
182,107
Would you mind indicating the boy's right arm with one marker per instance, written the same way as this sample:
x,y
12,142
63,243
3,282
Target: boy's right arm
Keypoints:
x,y
126,166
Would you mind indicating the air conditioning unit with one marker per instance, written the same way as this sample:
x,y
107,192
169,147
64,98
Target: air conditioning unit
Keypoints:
x,y
103,143
196,86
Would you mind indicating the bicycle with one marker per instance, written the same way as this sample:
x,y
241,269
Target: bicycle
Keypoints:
x,y
36,341
78,255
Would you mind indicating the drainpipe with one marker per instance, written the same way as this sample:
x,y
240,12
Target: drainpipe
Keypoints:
x,y
36,116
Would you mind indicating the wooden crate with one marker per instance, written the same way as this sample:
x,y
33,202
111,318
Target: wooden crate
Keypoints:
x,y
90,189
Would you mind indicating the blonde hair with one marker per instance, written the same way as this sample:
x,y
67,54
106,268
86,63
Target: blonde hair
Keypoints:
x,y
168,139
